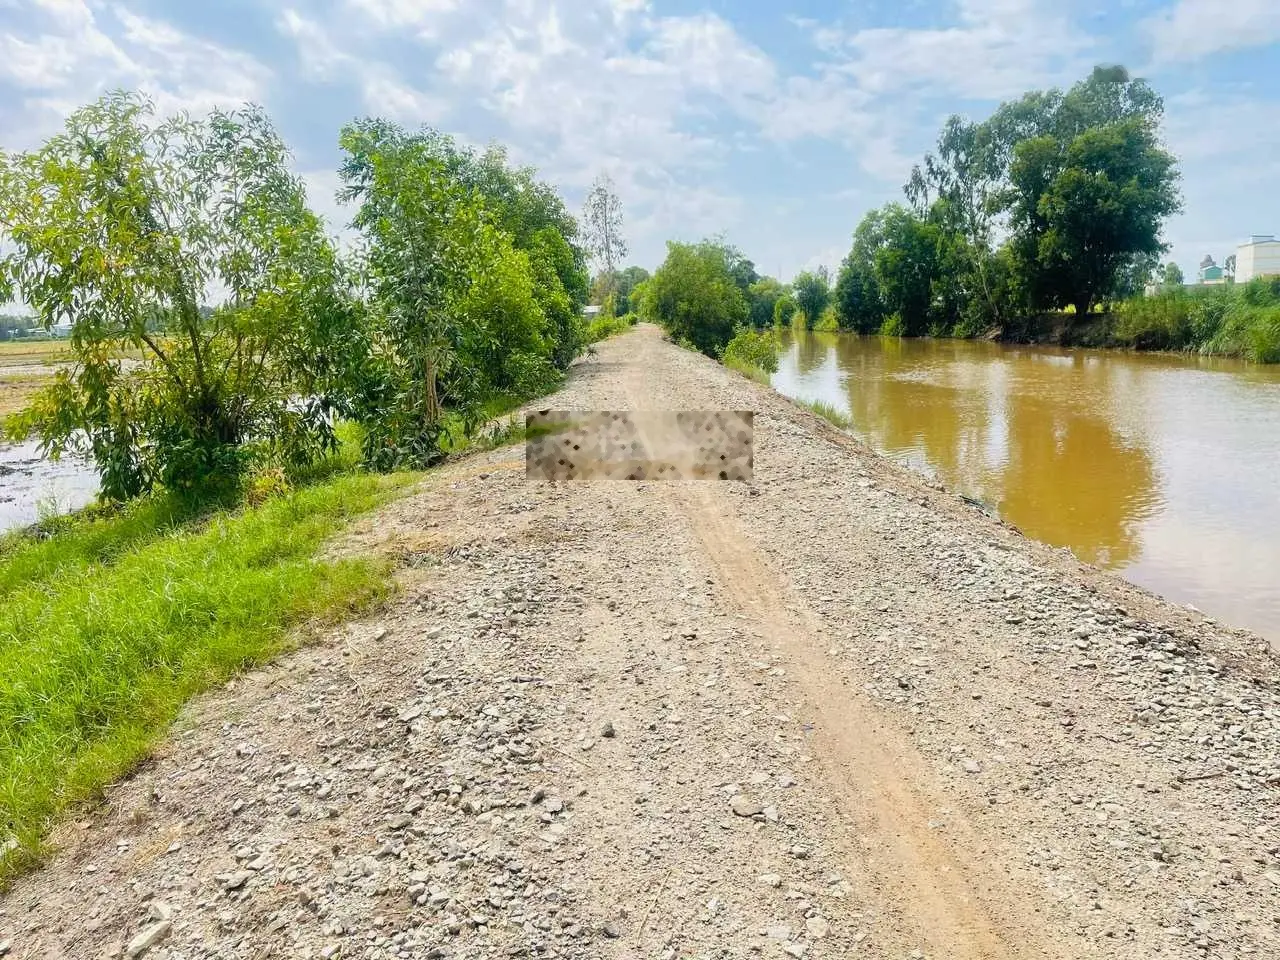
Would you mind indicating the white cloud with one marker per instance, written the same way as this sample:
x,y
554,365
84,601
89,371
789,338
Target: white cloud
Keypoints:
x,y
402,13
71,55
388,96
1198,28
319,55
999,49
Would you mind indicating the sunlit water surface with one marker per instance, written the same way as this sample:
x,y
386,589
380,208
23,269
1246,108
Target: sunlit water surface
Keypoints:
x,y
1164,468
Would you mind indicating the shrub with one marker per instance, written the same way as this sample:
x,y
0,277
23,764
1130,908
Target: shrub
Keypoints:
x,y
119,225
828,322
752,348
602,328
893,326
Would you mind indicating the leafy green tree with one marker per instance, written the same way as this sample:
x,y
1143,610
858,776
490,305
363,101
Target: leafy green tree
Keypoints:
x,y
122,225
1090,192
958,189
1082,210
454,307
620,287
762,298
857,296
1171,275
784,309
695,296
812,292
907,267
743,270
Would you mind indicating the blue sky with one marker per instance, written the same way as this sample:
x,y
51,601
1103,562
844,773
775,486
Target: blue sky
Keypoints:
x,y
775,123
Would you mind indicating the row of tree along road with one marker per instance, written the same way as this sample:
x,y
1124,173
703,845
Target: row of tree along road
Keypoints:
x,y
1041,222
464,295
465,292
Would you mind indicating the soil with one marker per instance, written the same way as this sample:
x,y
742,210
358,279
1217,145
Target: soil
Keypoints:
x,y
830,712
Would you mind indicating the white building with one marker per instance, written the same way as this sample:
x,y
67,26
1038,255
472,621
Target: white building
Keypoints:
x,y
1260,257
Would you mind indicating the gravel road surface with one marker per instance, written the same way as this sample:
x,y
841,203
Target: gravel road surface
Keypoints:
x,y
833,712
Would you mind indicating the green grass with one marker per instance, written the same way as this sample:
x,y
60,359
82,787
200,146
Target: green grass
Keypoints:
x,y
748,369
109,624
827,412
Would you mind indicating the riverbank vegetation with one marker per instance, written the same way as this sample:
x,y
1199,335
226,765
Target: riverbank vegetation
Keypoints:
x,y
467,291
1054,203
1039,223
112,619
232,439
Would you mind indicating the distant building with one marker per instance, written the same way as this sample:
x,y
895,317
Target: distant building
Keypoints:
x,y
1210,272
1260,257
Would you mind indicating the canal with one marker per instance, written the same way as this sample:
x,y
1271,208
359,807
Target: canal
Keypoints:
x,y
1164,468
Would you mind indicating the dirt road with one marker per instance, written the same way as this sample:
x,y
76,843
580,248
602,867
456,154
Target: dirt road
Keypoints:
x,y
831,713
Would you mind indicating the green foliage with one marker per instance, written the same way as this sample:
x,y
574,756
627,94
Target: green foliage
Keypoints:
x,y
1240,321
604,327
812,292
763,296
620,287
1089,190
1077,181
752,348
858,304
98,659
893,326
475,287
829,322
783,310
119,225
695,296
1171,275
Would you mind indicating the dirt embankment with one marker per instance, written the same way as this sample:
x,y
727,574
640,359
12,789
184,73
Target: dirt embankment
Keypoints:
x,y
831,713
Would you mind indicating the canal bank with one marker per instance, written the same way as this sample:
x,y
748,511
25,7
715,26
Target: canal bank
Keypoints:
x,y
1158,467
833,712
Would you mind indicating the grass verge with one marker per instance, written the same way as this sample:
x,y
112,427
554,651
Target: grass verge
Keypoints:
x,y
110,624
827,412
749,370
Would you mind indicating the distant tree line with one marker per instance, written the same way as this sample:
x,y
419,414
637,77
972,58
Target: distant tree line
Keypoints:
x,y
1048,210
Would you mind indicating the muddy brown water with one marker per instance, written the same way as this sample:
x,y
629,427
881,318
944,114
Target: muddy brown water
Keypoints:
x,y
1164,468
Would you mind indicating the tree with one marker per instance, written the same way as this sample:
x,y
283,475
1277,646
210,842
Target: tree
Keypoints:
x,y
812,291
1229,268
457,312
907,267
620,286
784,309
1091,191
602,221
695,295
762,299
1171,275
857,296
122,225
742,269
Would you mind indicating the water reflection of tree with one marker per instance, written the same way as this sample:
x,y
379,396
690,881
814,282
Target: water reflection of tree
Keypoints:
x,y
1072,481
1054,464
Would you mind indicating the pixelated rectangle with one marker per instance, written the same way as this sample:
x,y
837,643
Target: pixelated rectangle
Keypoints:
x,y
639,445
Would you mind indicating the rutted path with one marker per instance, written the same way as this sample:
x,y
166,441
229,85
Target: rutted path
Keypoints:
x,y
835,713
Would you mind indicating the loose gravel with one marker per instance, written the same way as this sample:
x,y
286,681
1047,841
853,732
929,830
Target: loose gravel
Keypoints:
x,y
834,712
